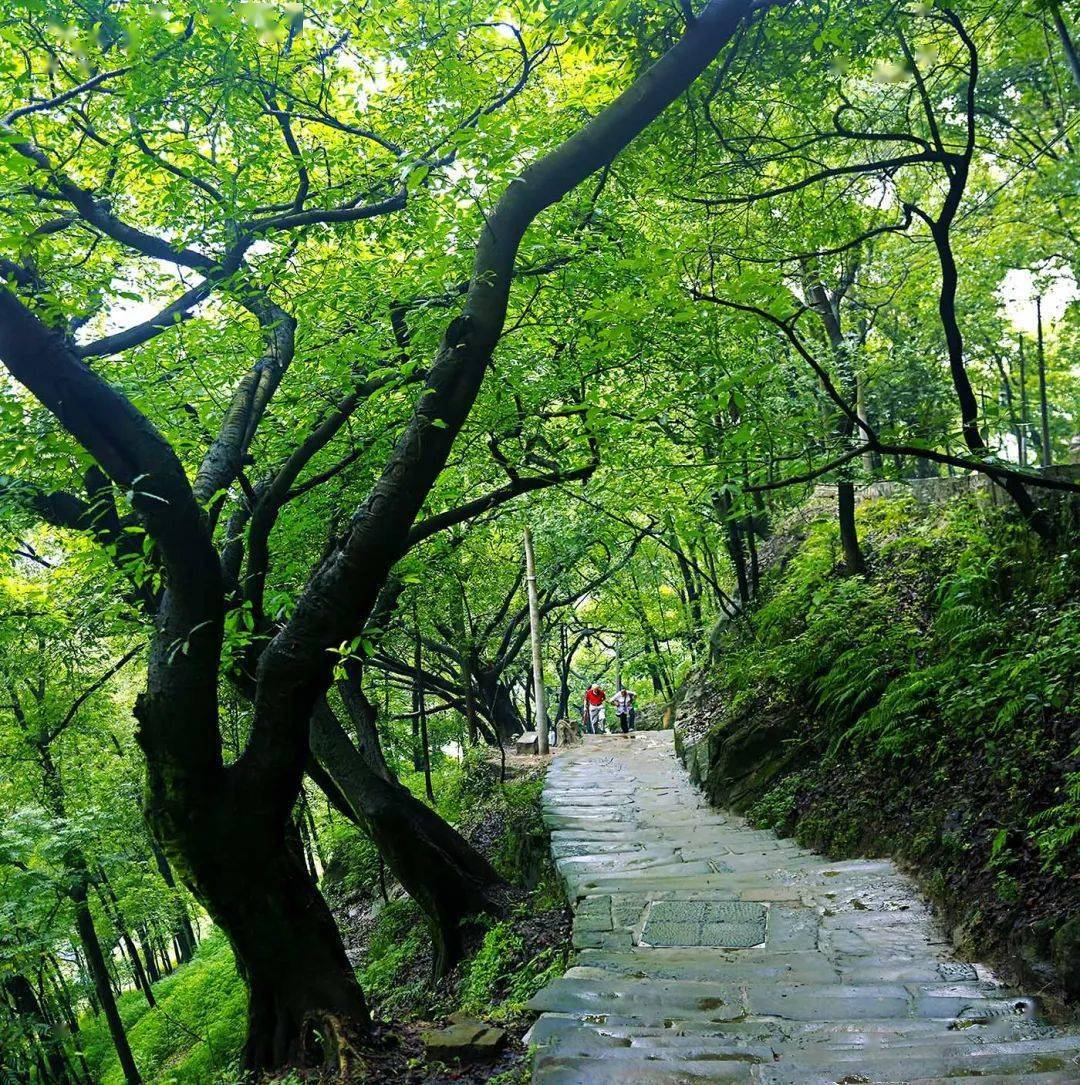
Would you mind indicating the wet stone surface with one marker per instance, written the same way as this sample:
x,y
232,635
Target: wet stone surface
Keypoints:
x,y
726,924
708,951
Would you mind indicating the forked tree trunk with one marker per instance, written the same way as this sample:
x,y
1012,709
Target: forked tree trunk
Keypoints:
x,y
225,828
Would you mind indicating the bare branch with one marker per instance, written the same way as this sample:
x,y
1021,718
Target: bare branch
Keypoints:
x,y
881,165
512,489
809,476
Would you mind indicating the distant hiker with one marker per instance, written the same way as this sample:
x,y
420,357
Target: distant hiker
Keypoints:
x,y
593,714
623,701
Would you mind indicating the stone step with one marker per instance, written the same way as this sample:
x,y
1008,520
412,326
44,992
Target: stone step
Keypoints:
x,y
851,981
786,1036
707,966
601,993
554,1069
871,1067
1024,1077
715,965
570,1062
938,1050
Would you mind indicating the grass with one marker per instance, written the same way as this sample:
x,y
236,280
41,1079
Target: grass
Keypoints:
x,y
191,1037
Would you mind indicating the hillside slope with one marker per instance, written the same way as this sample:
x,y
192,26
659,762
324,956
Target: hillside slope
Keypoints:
x,y
930,712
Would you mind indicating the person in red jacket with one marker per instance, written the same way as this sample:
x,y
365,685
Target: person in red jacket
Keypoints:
x,y
594,709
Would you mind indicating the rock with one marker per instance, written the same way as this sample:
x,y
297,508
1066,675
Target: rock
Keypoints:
x,y
464,1038
1065,953
527,743
745,759
567,732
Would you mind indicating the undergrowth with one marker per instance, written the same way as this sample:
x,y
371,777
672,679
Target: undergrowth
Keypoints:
x,y
194,1035
515,956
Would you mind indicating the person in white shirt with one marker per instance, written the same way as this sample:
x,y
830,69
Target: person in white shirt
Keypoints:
x,y
623,702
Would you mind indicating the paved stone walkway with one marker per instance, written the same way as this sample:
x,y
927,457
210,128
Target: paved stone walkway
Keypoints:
x,y
708,951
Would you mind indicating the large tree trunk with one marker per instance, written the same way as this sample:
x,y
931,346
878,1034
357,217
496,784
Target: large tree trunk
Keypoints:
x,y
235,847
305,1008
443,873
498,706
305,1004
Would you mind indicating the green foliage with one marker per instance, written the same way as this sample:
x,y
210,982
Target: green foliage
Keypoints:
x,y
775,808
1057,828
353,865
395,972
192,1036
503,975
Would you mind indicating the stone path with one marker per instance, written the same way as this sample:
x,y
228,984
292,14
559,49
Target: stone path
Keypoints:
x,y
708,951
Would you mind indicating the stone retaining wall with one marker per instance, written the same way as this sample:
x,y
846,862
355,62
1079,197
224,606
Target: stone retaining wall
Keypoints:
x,y
935,491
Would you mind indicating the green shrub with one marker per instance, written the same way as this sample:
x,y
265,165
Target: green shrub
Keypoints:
x,y
774,809
397,965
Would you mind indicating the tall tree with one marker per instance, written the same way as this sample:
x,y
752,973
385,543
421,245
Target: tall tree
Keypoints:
x,y
225,825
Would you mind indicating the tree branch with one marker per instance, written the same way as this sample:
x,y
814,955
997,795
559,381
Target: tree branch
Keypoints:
x,y
512,489
340,594
87,693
